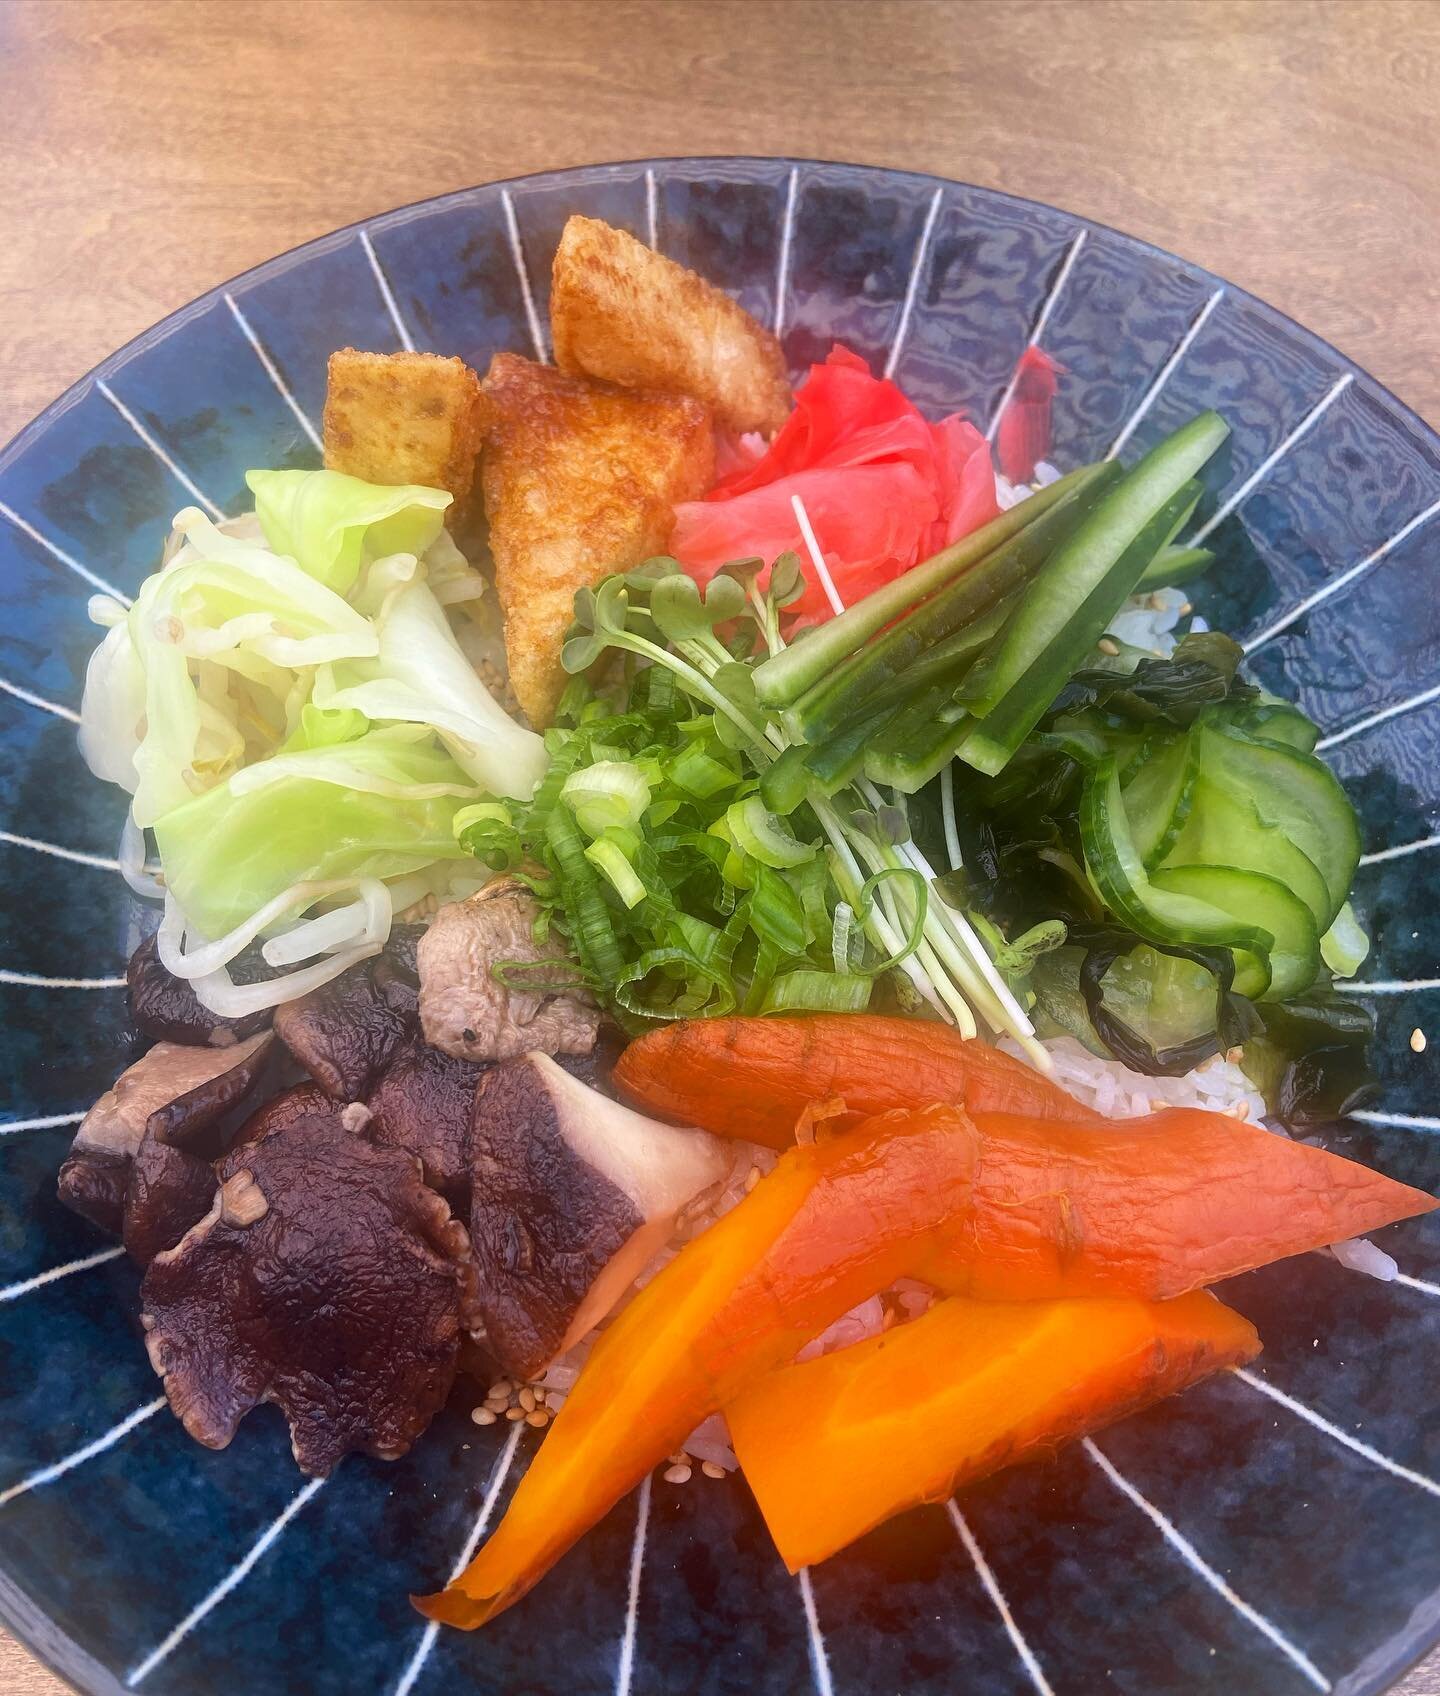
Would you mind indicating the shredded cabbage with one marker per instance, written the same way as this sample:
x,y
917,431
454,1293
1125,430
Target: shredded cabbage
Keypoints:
x,y
327,522
287,705
379,806
421,676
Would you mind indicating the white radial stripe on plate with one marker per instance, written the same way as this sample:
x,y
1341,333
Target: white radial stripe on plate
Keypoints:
x,y
13,1292
1364,1450
46,1122
181,476
31,699
632,1601
231,1581
917,267
1057,288
1386,986
57,552
32,980
272,370
819,1660
1417,1284
1268,464
48,1474
1399,852
102,861
527,294
1336,584
652,201
1202,1569
782,263
1402,1121
382,282
1423,699
1152,394
417,1661
997,1599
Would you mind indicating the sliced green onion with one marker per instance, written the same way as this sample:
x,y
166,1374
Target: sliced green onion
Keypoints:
x,y
608,793
701,774
808,991
609,860
763,836
843,935
776,915
787,675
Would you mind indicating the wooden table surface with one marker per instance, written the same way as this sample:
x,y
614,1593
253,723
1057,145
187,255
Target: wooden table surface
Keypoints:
x,y
151,148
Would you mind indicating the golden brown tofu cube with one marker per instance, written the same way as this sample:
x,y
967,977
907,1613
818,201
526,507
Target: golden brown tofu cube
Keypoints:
x,y
403,418
580,480
626,314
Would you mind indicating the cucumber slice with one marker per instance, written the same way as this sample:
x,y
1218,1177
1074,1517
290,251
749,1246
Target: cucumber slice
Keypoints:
x,y
849,685
1158,792
1293,793
1263,901
1158,914
1275,721
1024,699
1098,565
1173,566
1223,828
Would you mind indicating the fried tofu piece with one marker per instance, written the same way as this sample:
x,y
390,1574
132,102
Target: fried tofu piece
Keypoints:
x,y
626,314
580,479
403,418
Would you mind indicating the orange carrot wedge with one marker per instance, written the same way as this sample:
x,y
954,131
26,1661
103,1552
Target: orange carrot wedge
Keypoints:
x,y
1150,1207
833,1223
1026,1209
969,1388
753,1078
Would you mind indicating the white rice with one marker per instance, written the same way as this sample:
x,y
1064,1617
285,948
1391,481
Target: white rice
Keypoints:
x,y
1113,1090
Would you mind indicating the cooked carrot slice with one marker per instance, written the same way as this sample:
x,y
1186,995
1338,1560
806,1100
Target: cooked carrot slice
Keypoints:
x,y
1022,1209
969,1388
833,1223
752,1078
1151,1207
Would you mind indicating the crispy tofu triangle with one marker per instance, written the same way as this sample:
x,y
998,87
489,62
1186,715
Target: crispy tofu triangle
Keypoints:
x,y
580,479
624,313
403,418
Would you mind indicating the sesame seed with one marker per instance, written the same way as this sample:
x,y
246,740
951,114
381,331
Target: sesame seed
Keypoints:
x,y
497,1404
514,1413
1235,1055
527,1399
752,1177
711,1470
677,1474
1107,645
539,1419
1241,1110
1186,610
501,1387
1157,1105
1417,1040
483,1415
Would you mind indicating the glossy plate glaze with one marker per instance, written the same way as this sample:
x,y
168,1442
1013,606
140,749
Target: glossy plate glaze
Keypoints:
x,y
1271,1532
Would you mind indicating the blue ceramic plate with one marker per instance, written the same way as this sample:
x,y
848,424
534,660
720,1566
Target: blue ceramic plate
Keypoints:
x,y
1270,1532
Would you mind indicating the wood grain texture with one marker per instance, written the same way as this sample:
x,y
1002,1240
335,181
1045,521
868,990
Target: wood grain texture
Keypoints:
x,y
151,148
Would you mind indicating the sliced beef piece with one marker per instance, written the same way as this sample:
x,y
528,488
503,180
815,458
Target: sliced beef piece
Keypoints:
x,y
466,1010
327,1279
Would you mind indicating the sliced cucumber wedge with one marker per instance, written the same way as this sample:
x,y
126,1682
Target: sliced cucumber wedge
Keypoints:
x,y
1262,901
1159,914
